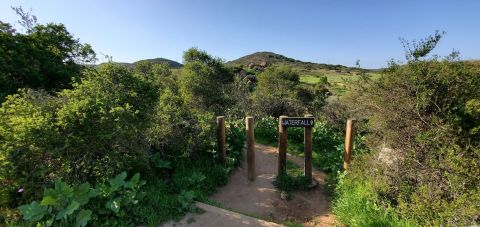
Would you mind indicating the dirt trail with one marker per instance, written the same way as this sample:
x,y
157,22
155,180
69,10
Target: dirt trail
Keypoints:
x,y
261,199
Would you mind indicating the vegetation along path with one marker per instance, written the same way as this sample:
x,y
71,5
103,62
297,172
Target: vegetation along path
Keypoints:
x,y
261,199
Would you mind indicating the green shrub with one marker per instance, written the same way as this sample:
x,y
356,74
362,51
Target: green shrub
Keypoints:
x,y
266,129
425,112
103,123
28,140
204,81
235,140
275,93
85,134
291,181
176,131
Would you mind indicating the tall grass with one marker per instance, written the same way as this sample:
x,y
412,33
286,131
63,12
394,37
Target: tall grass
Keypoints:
x,y
357,201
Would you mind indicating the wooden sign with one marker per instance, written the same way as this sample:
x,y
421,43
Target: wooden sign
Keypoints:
x,y
298,122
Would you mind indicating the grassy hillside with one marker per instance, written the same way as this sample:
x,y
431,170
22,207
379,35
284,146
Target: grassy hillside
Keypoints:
x,y
310,73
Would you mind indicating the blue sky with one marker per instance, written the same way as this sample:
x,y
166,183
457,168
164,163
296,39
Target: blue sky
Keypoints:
x,y
335,32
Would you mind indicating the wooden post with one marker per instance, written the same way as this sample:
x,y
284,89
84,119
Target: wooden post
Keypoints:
x,y
307,139
349,136
221,148
250,148
282,147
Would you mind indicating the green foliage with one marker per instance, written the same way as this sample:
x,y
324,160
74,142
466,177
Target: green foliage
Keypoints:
x,y
176,130
235,139
266,129
85,134
46,57
274,93
160,163
420,49
425,113
291,181
112,104
112,118
358,204
204,81
78,205
193,178
186,199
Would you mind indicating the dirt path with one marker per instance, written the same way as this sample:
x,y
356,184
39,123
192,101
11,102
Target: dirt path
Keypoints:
x,y
261,199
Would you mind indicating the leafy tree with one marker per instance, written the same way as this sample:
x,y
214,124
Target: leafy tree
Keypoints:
x,y
45,57
203,82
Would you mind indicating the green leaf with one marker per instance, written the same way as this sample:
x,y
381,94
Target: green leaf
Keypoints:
x,y
135,179
49,200
83,217
74,205
118,181
49,222
63,188
83,193
33,211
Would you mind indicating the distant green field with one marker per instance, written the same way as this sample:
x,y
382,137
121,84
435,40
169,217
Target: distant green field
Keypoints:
x,y
336,81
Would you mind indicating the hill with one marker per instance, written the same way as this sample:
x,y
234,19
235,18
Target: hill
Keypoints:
x,y
263,59
172,64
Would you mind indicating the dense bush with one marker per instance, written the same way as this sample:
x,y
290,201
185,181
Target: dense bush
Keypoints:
x,y
425,115
204,80
85,134
176,130
274,93
28,136
279,92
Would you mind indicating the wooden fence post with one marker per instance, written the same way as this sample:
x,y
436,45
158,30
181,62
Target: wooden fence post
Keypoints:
x,y
282,147
349,137
221,148
250,148
307,139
